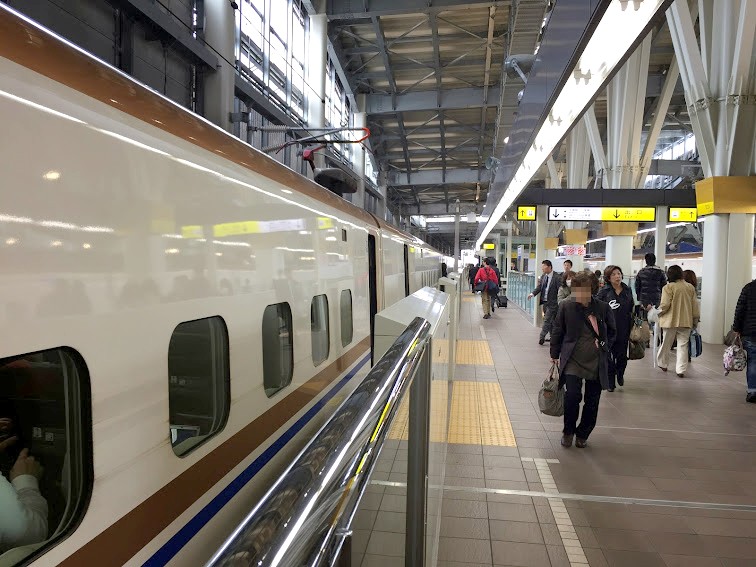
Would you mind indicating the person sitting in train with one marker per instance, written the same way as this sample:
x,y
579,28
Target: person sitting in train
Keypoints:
x,y
23,509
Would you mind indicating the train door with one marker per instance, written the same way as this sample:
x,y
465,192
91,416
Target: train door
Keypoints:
x,y
372,283
406,271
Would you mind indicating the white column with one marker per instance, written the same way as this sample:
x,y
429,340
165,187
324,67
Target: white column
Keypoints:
x,y
660,248
716,232
542,225
456,237
220,34
739,263
619,252
508,250
316,75
578,156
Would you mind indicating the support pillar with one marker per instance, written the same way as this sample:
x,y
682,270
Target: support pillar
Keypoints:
x,y
316,76
619,252
660,242
542,225
578,157
719,91
220,34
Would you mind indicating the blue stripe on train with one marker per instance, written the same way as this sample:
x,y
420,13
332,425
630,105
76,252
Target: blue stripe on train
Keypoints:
x,y
182,537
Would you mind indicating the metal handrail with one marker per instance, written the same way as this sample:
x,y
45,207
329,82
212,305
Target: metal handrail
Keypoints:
x,y
305,518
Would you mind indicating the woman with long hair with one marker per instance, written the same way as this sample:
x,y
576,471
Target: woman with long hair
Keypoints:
x,y
678,313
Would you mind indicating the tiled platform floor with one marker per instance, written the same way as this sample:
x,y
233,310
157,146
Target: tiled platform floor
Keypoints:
x,y
663,438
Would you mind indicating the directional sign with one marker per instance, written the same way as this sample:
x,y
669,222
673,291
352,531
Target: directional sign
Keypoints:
x,y
706,208
526,213
488,246
613,214
683,214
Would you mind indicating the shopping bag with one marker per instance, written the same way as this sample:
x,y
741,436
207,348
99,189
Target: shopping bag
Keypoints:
x,y
695,345
551,396
636,350
734,358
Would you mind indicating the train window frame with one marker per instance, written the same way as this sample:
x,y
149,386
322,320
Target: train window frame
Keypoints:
x,y
318,330
220,387
346,338
276,378
77,464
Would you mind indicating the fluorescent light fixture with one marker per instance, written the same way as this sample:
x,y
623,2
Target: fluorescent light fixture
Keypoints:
x,y
51,176
449,218
620,26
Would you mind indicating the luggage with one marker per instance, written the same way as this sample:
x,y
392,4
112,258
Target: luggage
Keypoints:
x,y
492,288
551,396
734,358
636,350
501,300
695,346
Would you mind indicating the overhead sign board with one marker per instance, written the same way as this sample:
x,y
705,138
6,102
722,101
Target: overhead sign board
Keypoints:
x,y
526,212
609,214
488,246
683,214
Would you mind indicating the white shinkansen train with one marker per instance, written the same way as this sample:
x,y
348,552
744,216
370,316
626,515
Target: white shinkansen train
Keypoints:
x,y
179,311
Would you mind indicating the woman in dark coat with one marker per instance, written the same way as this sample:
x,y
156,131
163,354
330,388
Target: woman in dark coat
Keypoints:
x,y
620,299
581,340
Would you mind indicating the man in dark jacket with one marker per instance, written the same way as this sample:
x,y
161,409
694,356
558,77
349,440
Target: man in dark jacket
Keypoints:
x,y
547,289
649,282
581,340
498,282
745,326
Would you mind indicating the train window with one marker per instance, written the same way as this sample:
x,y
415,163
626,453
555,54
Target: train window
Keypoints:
x,y
45,404
278,347
320,329
198,382
347,328
343,235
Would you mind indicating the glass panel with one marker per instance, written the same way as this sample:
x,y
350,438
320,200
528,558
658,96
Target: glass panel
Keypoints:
x,y
278,347
45,404
198,384
347,331
320,329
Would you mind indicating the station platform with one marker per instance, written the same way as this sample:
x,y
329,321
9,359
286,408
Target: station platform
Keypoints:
x,y
668,478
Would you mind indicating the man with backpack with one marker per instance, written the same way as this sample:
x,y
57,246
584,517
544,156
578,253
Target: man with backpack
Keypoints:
x,y
490,287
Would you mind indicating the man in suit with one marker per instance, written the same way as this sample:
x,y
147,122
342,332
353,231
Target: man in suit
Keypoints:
x,y
547,289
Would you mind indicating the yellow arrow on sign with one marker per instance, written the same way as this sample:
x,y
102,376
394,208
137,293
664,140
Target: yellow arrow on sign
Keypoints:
x,y
683,214
526,212
633,214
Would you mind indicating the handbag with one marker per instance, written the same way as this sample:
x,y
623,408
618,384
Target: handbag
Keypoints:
x,y
480,286
551,396
730,338
640,332
636,350
695,345
734,358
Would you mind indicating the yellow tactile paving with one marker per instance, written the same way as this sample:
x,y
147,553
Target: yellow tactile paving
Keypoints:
x,y
474,352
468,300
438,419
479,415
464,425
495,427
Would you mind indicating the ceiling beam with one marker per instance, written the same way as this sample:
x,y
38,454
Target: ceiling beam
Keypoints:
x,y
436,177
453,99
344,9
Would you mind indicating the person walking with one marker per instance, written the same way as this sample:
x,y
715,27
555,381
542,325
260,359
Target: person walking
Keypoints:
x,y
620,299
678,313
649,282
485,275
547,289
564,289
744,325
471,276
581,342
495,268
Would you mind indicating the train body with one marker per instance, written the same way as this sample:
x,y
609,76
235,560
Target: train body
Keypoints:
x,y
180,312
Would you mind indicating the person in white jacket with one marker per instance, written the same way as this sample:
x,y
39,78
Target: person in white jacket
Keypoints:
x,y
23,509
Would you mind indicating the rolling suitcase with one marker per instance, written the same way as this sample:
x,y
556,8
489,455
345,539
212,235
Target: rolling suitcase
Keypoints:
x,y
501,300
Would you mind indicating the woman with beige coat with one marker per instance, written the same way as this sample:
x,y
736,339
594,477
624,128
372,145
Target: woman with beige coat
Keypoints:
x,y
678,313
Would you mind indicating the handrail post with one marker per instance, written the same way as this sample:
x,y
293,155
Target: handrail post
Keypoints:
x,y
417,463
